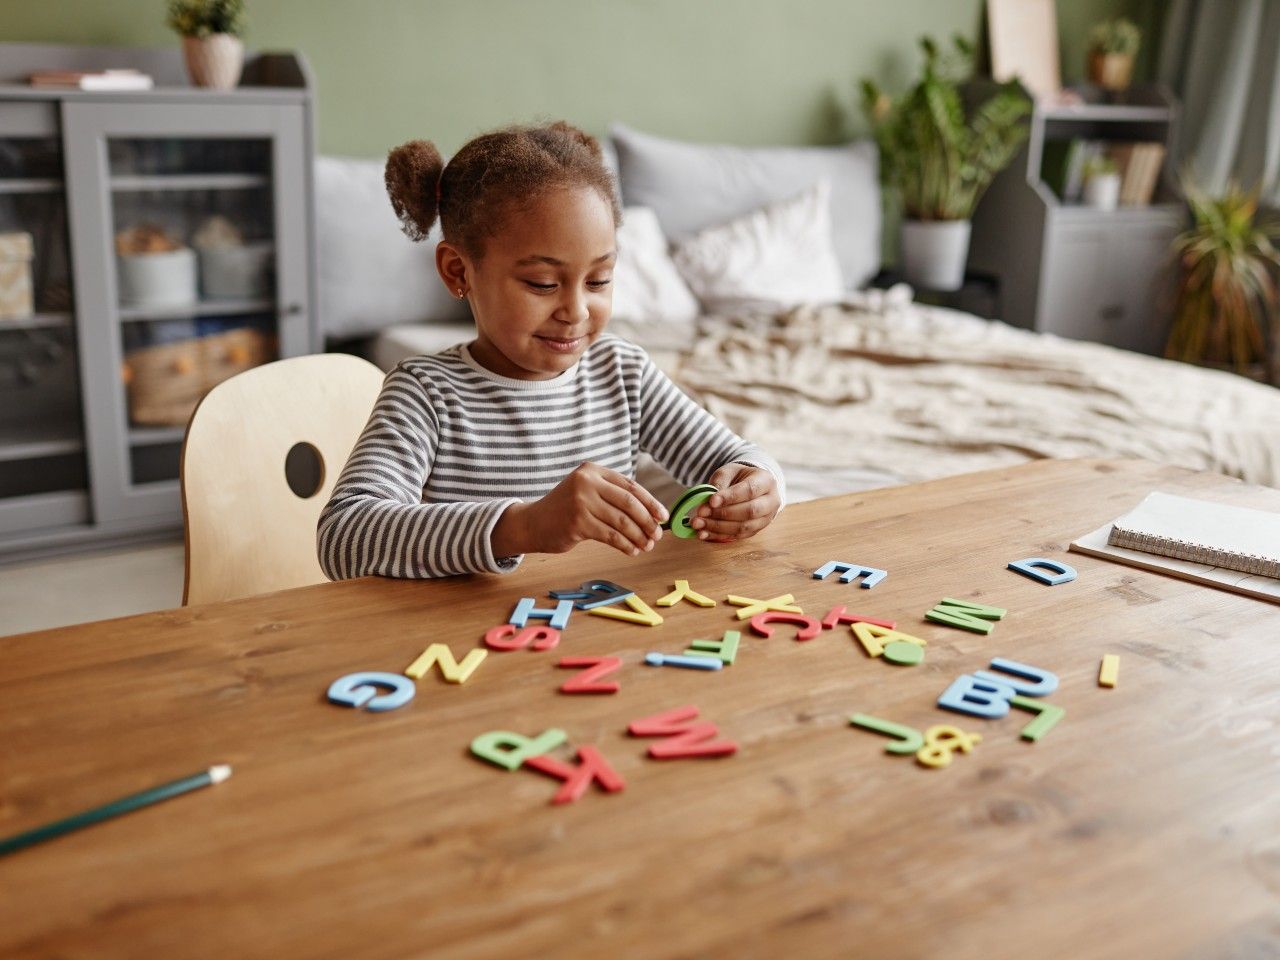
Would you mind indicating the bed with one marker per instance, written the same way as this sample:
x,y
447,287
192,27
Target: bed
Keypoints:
x,y
852,389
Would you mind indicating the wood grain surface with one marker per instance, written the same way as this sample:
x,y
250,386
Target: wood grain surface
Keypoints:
x,y
1145,825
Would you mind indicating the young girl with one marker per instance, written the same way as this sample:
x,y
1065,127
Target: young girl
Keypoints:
x,y
526,439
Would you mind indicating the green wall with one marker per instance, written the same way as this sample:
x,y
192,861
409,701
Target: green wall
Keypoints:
x,y
740,71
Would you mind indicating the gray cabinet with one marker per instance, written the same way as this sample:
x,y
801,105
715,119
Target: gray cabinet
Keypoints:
x,y
1071,270
173,236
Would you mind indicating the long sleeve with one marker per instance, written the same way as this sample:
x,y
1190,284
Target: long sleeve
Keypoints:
x,y
687,440
375,521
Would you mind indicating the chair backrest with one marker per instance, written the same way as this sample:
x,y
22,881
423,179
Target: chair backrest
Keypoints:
x,y
247,531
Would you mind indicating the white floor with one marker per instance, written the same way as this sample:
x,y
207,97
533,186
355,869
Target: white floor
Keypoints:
x,y
96,586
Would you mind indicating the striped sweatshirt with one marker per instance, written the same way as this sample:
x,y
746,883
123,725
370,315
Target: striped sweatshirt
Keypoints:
x,y
450,445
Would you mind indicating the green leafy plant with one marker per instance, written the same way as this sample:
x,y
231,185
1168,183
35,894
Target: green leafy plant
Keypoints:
x,y
1099,165
200,18
1227,288
938,158
1115,36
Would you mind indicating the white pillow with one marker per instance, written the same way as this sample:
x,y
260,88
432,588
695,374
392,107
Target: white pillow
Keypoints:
x,y
370,275
646,285
692,186
777,257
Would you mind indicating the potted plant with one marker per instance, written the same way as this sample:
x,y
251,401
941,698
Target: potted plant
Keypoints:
x,y
1101,182
940,160
1226,288
1112,46
211,44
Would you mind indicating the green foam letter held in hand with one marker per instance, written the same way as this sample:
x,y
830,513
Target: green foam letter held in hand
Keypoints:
x,y
510,750
967,616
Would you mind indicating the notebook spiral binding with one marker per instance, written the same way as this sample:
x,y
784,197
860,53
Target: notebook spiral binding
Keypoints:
x,y
1194,552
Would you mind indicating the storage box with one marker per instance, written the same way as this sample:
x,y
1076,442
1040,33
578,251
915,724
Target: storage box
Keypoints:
x,y
165,279
241,271
16,300
166,381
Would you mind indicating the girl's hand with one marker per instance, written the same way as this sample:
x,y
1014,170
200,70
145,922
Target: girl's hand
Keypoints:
x,y
747,503
592,503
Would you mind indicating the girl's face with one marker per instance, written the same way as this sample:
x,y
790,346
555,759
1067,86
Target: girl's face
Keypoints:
x,y
542,293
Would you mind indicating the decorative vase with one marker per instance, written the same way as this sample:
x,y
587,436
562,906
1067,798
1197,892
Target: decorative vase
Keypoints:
x,y
1102,191
1110,71
934,253
214,61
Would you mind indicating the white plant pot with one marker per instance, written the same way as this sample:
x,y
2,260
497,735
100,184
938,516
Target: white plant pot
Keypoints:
x,y
214,61
934,253
236,272
157,279
1102,191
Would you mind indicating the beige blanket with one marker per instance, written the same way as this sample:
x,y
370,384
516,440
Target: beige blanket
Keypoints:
x,y
905,392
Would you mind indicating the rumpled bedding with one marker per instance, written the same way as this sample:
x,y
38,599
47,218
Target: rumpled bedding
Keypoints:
x,y
879,390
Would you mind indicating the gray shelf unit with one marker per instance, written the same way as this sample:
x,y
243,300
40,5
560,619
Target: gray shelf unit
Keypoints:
x,y
75,473
1071,270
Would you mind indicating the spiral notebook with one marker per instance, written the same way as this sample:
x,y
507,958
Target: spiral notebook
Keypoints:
x,y
1225,546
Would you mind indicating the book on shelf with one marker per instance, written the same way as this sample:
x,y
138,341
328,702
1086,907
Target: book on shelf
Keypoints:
x,y
1078,154
113,79
1235,548
1139,164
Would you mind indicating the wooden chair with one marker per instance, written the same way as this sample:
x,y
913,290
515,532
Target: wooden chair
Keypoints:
x,y
247,530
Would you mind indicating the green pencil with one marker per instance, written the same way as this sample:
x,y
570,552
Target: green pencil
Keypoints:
x,y
114,809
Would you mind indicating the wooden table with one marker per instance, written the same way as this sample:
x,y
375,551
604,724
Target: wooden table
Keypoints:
x,y
1145,825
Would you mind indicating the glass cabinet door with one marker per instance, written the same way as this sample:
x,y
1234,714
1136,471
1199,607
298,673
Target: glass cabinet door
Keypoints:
x,y
43,477
196,232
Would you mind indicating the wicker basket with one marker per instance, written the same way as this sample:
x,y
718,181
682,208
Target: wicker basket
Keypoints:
x,y
165,382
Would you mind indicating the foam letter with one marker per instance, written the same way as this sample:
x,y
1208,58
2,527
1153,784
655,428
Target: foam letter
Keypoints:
x,y
850,572
978,697
837,615
593,593
809,627
1063,573
588,681
726,648
592,766
637,612
509,750
361,690
751,608
558,618
684,592
507,637
1036,682
683,738
1042,724
453,671
908,740
968,616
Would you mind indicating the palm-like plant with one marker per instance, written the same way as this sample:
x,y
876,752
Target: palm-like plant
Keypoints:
x,y
938,159
1227,289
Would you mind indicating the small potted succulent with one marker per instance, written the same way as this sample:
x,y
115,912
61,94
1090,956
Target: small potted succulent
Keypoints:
x,y
211,33
1101,182
1112,46
940,159
1228,263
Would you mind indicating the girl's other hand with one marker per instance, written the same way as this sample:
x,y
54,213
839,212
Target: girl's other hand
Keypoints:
x,y
592,503
747,503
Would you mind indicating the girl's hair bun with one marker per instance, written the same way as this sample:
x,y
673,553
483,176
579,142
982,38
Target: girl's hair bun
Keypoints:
x,y
413,179
578,136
